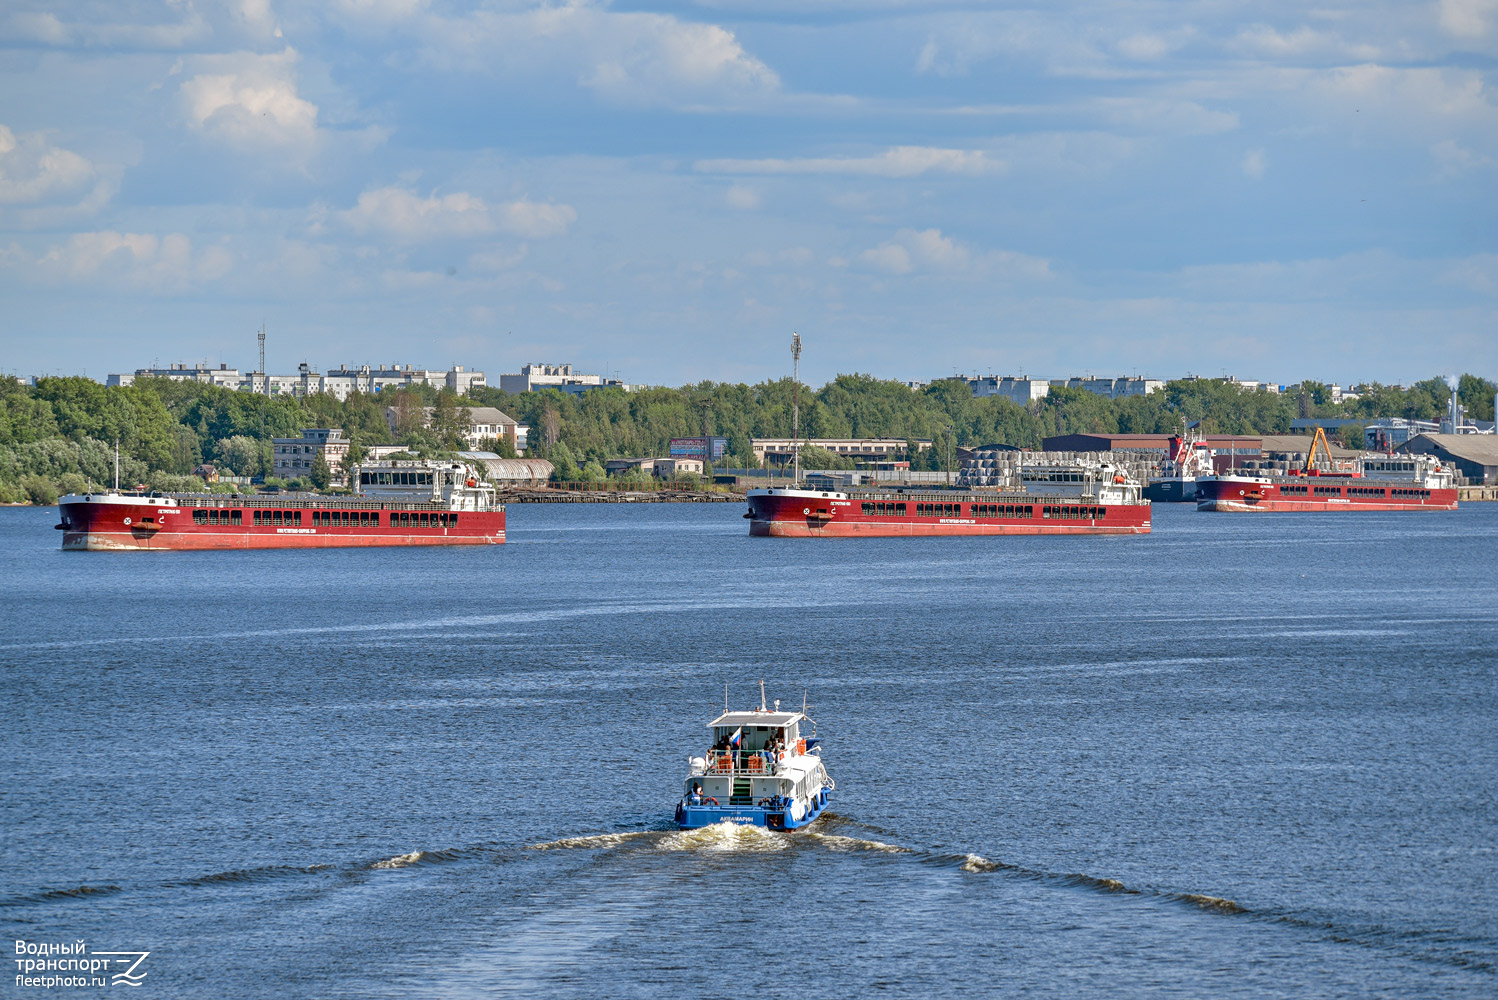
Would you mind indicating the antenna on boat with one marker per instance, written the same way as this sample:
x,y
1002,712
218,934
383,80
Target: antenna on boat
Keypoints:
x,y
725,696
762,707
803,701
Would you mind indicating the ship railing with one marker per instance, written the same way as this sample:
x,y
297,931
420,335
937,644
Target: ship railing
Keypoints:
x,y
760,763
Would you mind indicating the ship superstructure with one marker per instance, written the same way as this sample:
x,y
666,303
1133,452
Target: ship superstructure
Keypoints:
x,y
1189,459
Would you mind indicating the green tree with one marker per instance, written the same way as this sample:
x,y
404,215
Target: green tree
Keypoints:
x,y
321,474
564,466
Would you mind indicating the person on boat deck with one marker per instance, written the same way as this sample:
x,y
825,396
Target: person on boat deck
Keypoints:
x,y
696,798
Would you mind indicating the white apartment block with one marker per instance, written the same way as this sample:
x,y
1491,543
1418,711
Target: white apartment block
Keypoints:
x,y
339,382
560,377
484,423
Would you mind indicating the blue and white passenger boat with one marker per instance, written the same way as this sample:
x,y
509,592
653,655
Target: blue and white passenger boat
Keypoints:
x,y
761,771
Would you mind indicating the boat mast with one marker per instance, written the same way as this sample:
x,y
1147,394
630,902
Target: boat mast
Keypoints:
x,y
116,465
795,411
762,707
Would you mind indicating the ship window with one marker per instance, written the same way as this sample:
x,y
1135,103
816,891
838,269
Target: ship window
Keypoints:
x,y
452,520
212,517
275,517
1102,512
1045,512
257,517
363,479
899,510
200,517
236,517
868,508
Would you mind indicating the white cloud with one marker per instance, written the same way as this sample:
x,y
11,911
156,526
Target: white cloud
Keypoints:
x,y
928,250
32,171
535,219
49,29
901,161
253,106
741,197
626,57
1254,164
139,261
408,217
1456,159
1468,18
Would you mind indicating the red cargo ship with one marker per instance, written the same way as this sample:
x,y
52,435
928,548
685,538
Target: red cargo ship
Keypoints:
x,y
1388,482
784,512
400,503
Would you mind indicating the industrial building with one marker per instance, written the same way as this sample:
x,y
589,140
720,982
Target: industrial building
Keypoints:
x,y
1475,455
778,451
1227,450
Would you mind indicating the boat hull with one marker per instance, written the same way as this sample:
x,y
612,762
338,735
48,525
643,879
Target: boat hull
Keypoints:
x,y
802,516
690,817
1248,496
130,525
1170,491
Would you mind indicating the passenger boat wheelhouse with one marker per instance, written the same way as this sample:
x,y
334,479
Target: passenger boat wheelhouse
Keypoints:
x,y
763,770
1110,508
1394,482
400,503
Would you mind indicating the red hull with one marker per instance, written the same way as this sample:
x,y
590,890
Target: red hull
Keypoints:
x,y
1319,494
136,524
806,516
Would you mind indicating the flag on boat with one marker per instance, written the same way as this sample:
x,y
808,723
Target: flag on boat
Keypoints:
x,y
733,740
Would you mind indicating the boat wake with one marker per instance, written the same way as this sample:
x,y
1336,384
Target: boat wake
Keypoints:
x,y
419,858
596,841
726,837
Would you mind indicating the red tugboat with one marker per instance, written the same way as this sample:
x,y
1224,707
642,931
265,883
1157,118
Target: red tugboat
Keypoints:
x,y
400,503
1393,482
1114,508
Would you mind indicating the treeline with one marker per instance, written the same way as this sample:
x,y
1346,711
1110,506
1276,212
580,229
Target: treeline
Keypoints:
x,y
58,435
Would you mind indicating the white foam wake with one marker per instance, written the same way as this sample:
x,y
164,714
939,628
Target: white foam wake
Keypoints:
x,y
726,837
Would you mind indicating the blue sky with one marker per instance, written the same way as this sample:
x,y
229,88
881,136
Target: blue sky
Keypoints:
x,y
666,190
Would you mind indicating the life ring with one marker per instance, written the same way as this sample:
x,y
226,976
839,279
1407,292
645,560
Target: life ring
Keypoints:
x,y
710,799
764,803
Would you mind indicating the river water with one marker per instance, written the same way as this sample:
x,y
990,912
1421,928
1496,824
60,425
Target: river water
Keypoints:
x,y
1242,756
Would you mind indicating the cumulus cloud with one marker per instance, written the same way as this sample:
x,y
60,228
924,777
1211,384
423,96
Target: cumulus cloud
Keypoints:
x,y
254,105
140,261
1468,18
32,171
927,250
901,161
629,57
408,217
